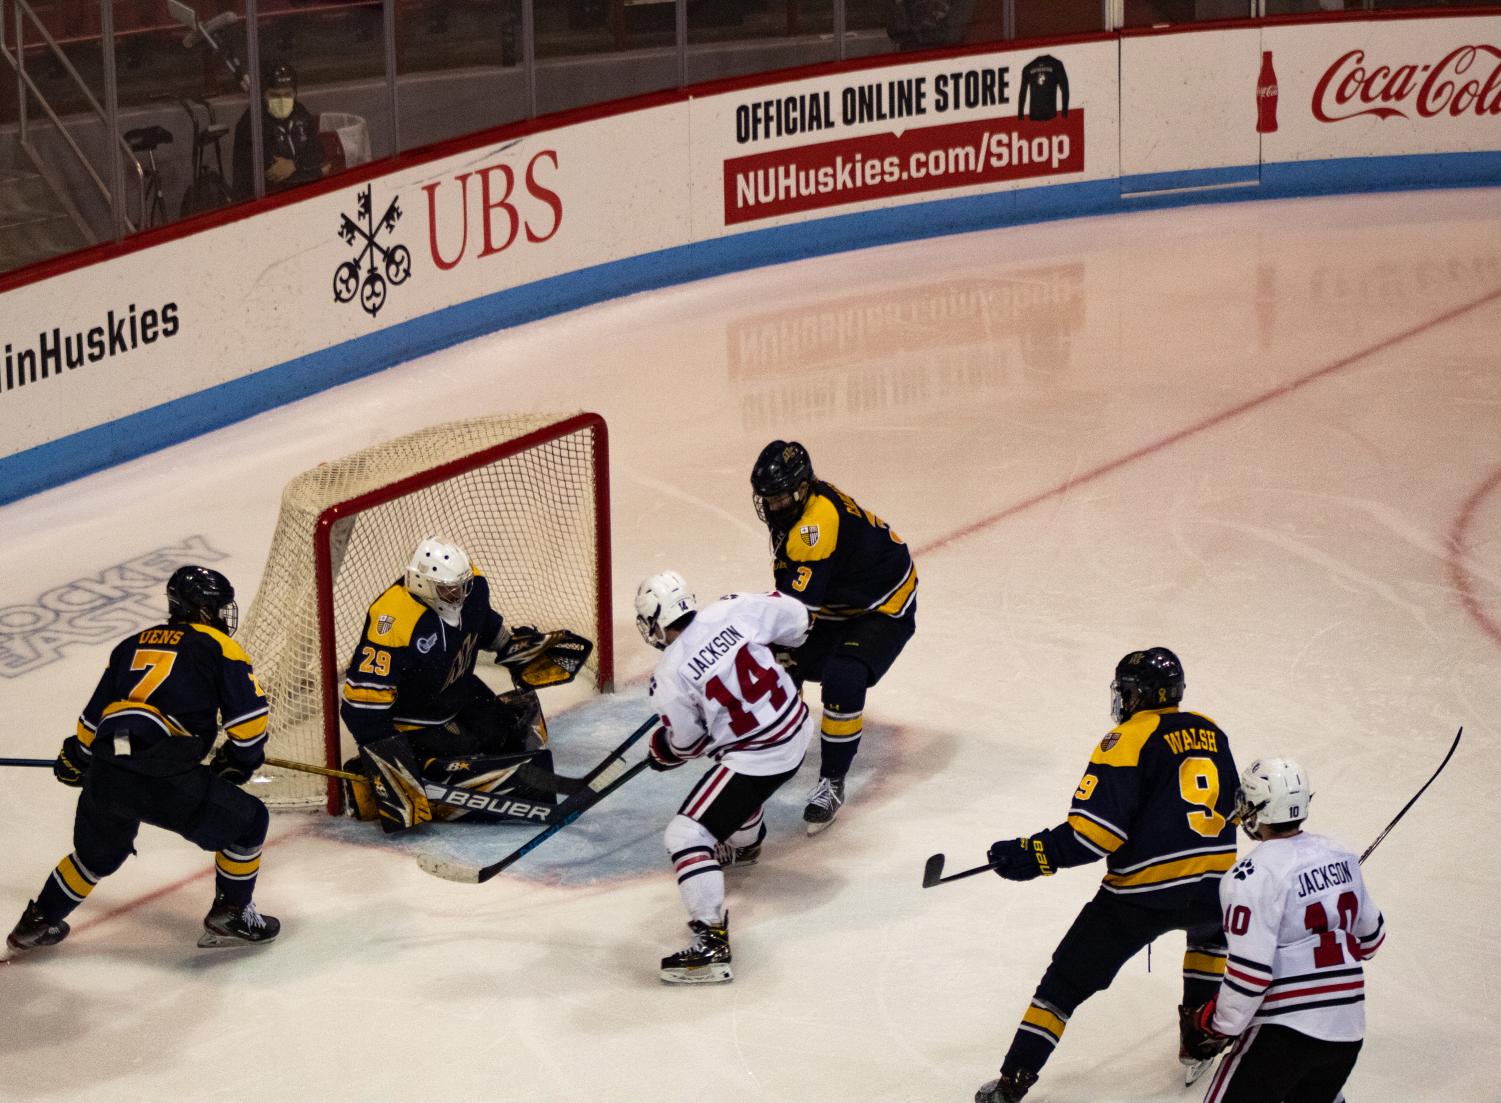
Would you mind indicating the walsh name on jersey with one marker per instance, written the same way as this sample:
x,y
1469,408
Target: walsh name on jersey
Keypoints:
x,y
702,661
1322,878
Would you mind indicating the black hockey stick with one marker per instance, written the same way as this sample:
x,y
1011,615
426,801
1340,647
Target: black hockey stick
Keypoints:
x,y
27,761
932,873
603,780
1415,796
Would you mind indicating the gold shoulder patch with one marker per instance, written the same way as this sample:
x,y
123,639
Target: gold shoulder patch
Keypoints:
x,y
393,617
1122,745
816,533
231,649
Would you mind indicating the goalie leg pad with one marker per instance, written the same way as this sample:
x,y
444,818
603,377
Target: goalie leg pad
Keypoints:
x,y
396,783
495,794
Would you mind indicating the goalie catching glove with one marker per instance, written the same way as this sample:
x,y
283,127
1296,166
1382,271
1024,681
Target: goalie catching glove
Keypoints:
x,y
661,755
1021,859
1196,1026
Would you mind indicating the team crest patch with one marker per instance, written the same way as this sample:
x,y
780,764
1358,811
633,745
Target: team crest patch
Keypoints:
x,y
427,643
1243,869
1110,740
809,533
383,624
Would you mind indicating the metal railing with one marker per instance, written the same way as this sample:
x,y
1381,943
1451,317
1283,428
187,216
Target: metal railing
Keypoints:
x,y
121,155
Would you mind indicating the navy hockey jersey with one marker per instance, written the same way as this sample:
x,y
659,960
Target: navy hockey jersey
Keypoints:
x,y
842,561
1156,803
167,690
410,670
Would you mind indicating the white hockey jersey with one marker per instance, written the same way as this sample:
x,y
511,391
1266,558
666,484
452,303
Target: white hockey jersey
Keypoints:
x,y
720,691
1299,922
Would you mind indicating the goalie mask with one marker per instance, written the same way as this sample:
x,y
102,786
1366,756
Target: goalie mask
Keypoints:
x,y
662,601
1273,792
440,576
781,482
198,595
1150,679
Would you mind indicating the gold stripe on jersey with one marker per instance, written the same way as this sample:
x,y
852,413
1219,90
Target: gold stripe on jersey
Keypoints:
x,y
1197,961
816,533
247,731
1173,869
1045,1019
84,733
1123,744
901,597
393,618
156,714
1096,833
382,696
226,644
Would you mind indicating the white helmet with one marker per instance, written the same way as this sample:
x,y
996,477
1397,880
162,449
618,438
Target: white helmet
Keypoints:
x,y
440,577
1273,791
661,601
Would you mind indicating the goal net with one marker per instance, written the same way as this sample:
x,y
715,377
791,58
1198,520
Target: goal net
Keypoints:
x,y
527,496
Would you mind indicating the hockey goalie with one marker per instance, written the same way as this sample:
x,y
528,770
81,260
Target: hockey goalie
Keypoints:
x,y
435,742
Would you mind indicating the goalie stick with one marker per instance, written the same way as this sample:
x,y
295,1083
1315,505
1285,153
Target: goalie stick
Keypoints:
x,y
604,779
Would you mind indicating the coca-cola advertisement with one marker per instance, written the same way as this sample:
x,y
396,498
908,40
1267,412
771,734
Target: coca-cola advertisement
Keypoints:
x,y
1403,86
1266,96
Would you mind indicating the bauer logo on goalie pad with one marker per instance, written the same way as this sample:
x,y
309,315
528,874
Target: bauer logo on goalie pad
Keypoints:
x,y
809,533
383,624
484,802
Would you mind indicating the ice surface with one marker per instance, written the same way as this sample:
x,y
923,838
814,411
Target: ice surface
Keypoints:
x,y
1265,435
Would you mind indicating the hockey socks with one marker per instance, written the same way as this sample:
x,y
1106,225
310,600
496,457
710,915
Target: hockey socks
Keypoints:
x,y
844,684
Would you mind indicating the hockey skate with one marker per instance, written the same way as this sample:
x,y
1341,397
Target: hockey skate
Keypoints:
x,y
729,855
1007,1088
33,931
707,961
1193,1067
824,803
234,925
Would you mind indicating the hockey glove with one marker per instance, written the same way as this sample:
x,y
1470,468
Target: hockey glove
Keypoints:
x,y
1196,1028
1021,859
72,763
227,769
661,755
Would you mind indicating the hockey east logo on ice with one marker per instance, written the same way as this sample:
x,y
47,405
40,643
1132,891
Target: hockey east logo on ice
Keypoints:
x,y
58,350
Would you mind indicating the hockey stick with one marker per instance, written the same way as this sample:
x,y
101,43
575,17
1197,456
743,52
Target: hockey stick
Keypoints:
x,y
932,873
1415,796
603,780
27,761
453,871
309,768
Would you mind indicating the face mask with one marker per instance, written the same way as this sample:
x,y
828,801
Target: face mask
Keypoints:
x,y
280,107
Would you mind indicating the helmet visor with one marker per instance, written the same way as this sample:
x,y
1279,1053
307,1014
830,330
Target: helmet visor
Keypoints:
x,y
453,593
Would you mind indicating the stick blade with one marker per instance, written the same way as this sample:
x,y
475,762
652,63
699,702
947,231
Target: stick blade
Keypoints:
x,y
932,873
449,871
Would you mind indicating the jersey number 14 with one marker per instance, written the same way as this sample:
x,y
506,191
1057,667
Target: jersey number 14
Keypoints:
x,y
756,681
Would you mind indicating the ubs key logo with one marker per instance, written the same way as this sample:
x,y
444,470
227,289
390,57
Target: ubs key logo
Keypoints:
x,y
396,260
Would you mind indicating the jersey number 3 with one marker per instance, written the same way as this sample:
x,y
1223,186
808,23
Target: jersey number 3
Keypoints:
x,y
756,681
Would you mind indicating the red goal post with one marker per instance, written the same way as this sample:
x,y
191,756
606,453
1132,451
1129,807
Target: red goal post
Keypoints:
x,y
527,496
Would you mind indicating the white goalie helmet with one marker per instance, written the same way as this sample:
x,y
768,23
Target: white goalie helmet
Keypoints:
x,y
661,601
440,576
1273,791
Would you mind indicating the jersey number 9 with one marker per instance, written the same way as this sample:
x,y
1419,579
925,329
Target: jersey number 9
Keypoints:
x,y
1199,784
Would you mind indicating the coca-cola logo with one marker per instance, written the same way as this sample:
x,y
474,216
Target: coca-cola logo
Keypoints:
x,y
1465,80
